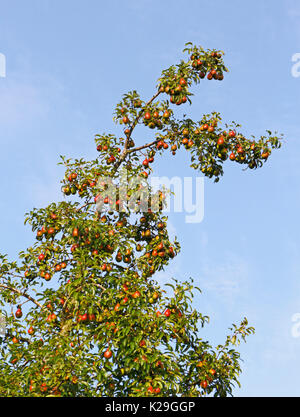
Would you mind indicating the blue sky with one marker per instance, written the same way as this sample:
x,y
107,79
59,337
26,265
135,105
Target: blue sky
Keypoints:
x,y
68,64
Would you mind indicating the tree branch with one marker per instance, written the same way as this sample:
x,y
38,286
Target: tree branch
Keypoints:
x,y
125,151
147,145
23,294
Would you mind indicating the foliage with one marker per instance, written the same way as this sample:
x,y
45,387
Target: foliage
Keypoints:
x,y
86,316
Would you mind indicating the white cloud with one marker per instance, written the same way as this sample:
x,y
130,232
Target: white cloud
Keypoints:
x,y
43,192
20,102
227,280
293,9
42,186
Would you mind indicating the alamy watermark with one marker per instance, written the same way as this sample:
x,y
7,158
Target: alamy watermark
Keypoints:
x,y
295,330
2,65
2,325
136,193
295,70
